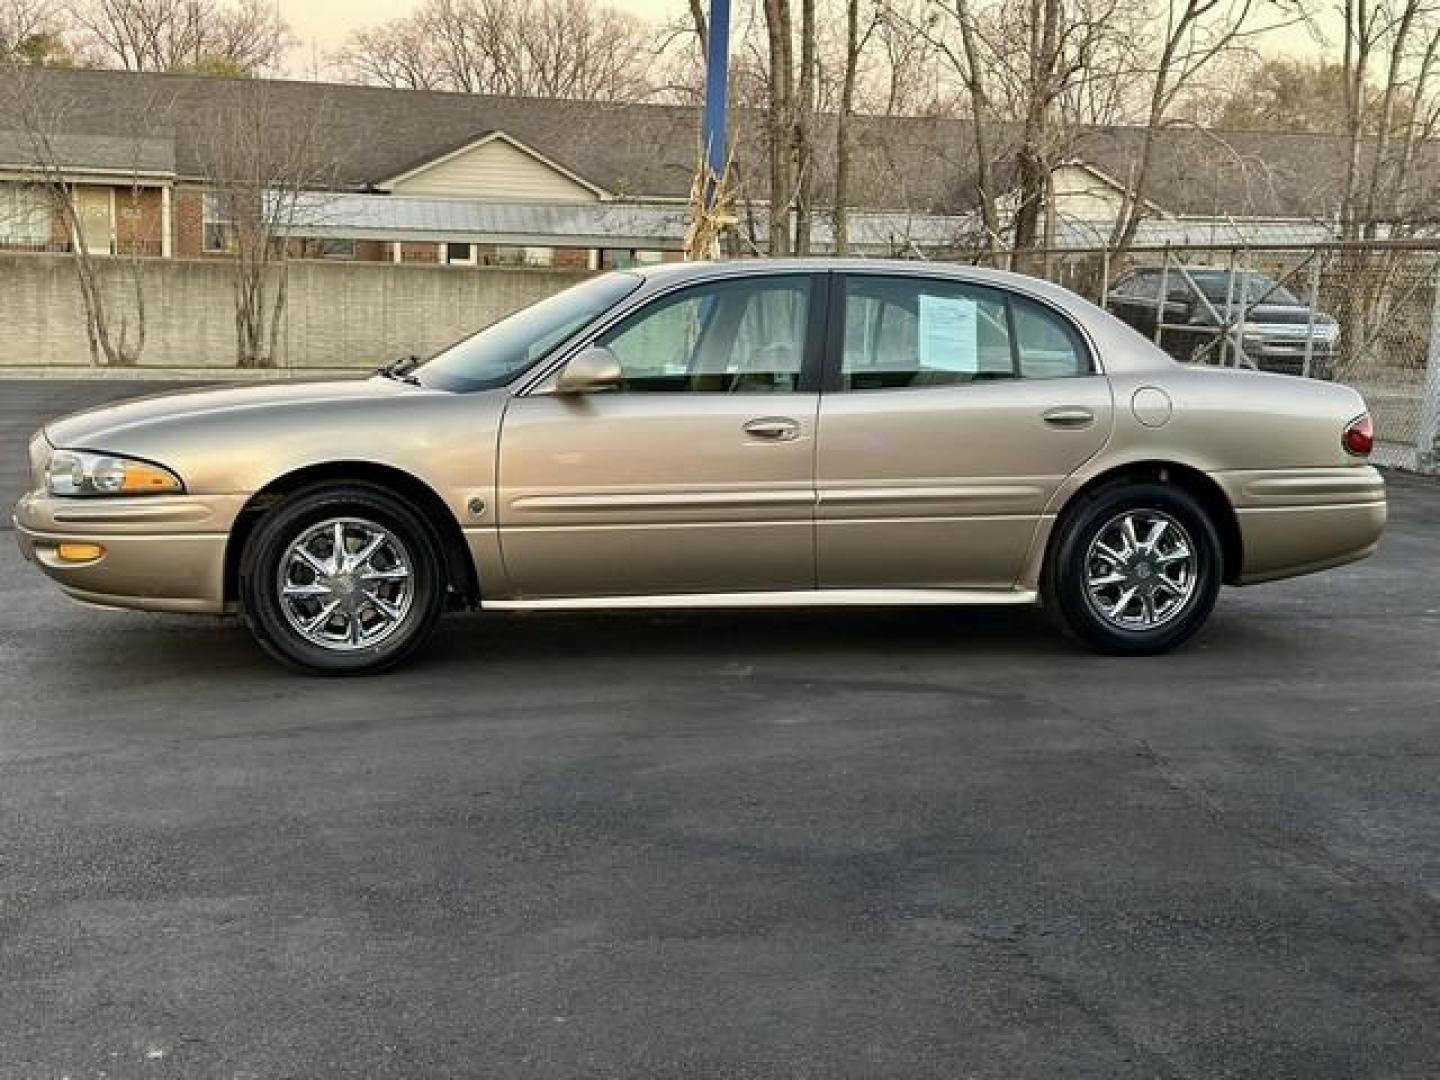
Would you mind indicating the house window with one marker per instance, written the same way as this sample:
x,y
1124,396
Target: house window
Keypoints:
x,y
621,259
337,248
24,215
513,255
458,254
218,224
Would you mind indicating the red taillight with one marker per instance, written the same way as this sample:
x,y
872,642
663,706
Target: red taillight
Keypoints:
x,y
1359,437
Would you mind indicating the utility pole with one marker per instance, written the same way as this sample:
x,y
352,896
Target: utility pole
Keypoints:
x,y
711,203
717,104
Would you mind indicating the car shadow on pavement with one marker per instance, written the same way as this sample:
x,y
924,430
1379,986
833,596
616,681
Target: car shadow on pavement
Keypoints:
x,y
532,644
553,636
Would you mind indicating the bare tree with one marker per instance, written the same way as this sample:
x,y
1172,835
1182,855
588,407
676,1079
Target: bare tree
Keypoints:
x,y
1387,63
1044,57
548,48
225,37
790,123
1390,51
1195,33
1047,76
1248,92
855,42
780,120
114,322
953,30
265,173
802,146
907,75
31,32
398,54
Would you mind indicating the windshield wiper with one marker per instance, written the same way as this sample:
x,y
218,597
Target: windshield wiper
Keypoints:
x,y
400,370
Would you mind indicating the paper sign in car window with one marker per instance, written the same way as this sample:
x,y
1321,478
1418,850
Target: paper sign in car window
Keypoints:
x,y
949,333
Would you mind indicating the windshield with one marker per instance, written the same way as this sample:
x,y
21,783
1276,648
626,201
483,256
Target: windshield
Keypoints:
x,y
1250,288
505,348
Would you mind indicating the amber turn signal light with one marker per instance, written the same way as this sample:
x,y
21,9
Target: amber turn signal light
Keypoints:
x,y
140,477
79,552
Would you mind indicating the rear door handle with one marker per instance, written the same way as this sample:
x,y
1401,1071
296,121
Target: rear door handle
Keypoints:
x,y
1069,416
773,428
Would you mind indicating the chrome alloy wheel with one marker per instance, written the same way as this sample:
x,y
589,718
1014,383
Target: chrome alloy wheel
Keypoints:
x,y
345,584
1141,570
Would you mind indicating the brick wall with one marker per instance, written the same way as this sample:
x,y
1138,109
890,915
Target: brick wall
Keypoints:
x,y
59,230
138,221
573,258
188,220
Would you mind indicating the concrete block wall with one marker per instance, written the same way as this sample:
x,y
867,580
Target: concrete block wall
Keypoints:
x,y
339,314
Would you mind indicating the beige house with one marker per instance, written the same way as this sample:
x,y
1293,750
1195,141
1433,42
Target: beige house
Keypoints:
x,y
465,179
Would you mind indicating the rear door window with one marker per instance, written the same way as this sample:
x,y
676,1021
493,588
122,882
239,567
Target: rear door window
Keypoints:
x,y
909,332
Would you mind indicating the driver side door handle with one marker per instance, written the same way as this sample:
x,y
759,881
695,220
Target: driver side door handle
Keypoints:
x,y
773,428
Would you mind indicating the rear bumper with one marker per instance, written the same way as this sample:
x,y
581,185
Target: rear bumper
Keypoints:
x,y
1296,521
160,553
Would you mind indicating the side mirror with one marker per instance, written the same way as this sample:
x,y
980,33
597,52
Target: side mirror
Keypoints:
x,y
589,370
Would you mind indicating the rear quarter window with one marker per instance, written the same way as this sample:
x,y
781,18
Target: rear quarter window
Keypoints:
x,y
1047,344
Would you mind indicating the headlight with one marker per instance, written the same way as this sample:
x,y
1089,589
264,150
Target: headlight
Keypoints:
x,y
79,472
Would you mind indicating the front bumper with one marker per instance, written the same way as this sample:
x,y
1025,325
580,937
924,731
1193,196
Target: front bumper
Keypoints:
x,y
161,553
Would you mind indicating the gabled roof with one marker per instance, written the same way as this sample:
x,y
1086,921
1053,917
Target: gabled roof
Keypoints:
x,y
370,135
431,162
1108,181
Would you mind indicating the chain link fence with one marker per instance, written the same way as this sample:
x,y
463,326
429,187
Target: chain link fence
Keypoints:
x,y
1364,314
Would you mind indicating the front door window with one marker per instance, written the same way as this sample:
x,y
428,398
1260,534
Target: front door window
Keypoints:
x,y
744,336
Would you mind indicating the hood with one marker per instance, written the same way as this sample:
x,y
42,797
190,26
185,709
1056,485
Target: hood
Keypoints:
x,y
91,428
239,439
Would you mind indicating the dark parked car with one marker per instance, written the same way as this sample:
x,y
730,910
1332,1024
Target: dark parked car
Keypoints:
x,y
1276,323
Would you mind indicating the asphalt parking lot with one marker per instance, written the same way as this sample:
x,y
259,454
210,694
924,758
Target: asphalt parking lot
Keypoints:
x,y
851,844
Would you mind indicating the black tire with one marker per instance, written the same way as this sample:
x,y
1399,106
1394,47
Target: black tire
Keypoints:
x,y
1073,559
302,512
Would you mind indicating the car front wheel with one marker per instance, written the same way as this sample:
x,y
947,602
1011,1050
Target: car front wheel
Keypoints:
x,y
1136,569
343,579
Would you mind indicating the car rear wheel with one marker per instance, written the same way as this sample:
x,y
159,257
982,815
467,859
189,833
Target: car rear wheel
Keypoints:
x,y
342,579
1135,570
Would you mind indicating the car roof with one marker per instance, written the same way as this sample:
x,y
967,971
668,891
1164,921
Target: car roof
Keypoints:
x,y
673,273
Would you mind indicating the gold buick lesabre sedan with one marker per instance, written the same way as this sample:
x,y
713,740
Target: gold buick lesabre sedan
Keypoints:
x,y
750,434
